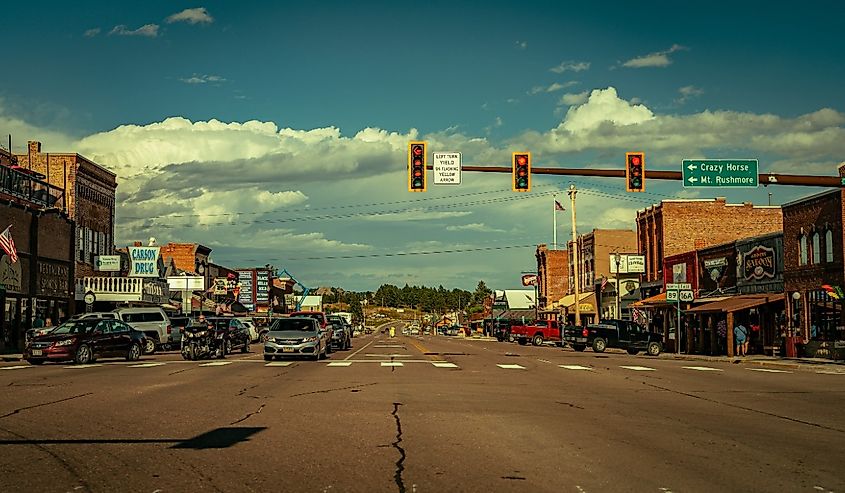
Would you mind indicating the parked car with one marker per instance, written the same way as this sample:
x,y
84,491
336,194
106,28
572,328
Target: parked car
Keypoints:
x,y
622,334
251,327
83,341
321,318
237,335
153,322
537,333
296,336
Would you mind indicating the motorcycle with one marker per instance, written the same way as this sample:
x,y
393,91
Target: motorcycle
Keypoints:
x,y
203,341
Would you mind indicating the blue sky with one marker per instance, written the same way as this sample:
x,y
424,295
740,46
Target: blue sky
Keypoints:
x,y
575,83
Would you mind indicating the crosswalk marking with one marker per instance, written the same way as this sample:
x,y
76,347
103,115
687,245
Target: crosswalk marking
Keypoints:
x,y
511,367
389,346
80,367
279,363
830,372
371,355
217,363
575,367
768,370
701,368
638,368
443,364
21,367
340,363
392,363
146,365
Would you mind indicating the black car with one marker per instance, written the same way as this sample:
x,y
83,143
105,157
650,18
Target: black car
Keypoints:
x,y
238,335
341,335
83,341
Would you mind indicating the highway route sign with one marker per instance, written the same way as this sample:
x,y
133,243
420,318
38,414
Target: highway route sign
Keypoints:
x,y
672,295
447,168
731,173
686,295
677,286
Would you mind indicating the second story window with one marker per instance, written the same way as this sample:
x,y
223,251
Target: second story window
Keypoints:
x,y
802,250
815,253
828,246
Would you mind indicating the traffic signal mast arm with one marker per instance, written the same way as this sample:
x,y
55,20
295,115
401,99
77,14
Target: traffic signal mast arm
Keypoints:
x,y
765,178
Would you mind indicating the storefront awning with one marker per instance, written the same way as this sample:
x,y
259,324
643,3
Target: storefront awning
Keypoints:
x,y
656,300
587,303
737,303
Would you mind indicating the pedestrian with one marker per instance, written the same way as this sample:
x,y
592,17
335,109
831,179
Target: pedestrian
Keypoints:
x,y
48,322
38,322
741,339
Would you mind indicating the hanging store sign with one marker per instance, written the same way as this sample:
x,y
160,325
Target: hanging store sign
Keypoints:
x,y
759,263
144,261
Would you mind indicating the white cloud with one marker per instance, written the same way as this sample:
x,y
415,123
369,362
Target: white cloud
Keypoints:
x,y
553,87
147,30
90,33
687,93
202,79
657,59
570,66
571,99
605,106
197,15
476,227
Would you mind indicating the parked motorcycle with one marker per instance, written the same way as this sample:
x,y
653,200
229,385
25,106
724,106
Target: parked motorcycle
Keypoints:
x,y
203,340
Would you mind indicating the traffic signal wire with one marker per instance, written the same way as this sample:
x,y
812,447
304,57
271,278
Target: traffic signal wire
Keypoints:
x,y
395,254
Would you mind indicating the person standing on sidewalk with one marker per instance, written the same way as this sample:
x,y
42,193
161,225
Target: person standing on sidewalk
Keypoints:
x,y
741,338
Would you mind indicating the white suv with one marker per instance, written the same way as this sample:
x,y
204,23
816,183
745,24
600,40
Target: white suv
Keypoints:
x,y
153,322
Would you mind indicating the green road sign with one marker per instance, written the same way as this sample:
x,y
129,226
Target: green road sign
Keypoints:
x,y
737,173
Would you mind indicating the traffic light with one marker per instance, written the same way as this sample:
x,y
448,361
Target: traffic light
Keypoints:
x,y
635,171
521,171
416,166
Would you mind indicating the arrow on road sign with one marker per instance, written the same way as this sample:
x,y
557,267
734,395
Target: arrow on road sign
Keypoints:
x,y
692,167
692,179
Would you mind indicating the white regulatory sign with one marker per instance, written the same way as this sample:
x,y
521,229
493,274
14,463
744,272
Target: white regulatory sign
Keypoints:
x,y
447,168
686,295
672,295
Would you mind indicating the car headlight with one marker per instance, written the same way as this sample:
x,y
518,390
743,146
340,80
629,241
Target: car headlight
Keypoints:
x,y
311,339
66,342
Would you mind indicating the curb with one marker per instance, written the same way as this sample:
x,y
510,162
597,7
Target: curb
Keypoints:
x,y
11,357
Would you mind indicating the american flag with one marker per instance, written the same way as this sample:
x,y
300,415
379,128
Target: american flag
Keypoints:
x,y
603,283
558,206
8,244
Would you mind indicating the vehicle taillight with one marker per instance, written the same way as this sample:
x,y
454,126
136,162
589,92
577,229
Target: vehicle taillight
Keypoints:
x,y
169,329
585,333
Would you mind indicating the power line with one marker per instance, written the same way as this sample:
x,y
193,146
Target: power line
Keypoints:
x,y
396,254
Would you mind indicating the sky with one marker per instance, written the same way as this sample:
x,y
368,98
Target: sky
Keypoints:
x,y
277,132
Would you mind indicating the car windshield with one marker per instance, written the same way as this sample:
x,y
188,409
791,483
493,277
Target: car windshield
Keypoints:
x,y
79,327
293,324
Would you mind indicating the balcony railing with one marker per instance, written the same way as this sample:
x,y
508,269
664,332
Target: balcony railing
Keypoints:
x,y
121,289
26,185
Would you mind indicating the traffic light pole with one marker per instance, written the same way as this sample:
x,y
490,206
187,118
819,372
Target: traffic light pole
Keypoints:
x,y
765,179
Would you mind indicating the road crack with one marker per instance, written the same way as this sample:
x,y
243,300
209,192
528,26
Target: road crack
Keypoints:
x,y
400,464
16,411
84,486
326,391
249,415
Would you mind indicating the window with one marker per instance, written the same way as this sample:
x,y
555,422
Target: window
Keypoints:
x,y
80,251
802,250
815,254
828,246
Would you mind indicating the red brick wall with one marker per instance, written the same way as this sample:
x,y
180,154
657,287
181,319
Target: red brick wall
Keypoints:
x,y
553,271
183,255
807,217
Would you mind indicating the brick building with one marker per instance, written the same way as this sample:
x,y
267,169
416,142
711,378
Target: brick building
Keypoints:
x,y
552,275
88,199
191,258
813,258
678,226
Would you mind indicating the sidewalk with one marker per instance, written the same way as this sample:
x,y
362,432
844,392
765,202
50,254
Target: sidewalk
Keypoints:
x,y
775,362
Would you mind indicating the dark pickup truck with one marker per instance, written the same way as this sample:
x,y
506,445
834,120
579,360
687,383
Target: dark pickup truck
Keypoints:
x,y
622,334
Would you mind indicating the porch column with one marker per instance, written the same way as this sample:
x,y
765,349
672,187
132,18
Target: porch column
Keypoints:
x,y
730,334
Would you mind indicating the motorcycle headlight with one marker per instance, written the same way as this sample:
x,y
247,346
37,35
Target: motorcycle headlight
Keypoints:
x,y
66,342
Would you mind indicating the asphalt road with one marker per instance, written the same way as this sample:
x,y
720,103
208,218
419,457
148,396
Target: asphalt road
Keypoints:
x,y
420,414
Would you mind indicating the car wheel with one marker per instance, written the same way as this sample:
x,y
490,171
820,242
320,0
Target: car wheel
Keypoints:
x,y
268,357
262,337
632,351
653,349
149,346
35,361
579,347
523,342
599,345
538,340
83,355
245,349
134,353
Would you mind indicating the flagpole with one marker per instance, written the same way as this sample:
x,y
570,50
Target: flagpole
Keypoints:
x,y
554,221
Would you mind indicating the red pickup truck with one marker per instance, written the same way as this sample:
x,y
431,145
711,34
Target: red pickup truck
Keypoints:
x,y
539,332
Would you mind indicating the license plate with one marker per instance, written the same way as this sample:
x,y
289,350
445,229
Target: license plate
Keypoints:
x,y
37,352
287,349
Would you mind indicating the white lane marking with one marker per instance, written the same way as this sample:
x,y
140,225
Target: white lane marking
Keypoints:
x,y
443,364
390,346
701,368
391,363
340,363
358,351
544,361
638,368
768,370
217,363
20,367
830,372
146,365
279,363
371,355
575,367
79,367
511,367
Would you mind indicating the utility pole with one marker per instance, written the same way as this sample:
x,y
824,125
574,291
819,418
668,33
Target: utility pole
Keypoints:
x,y
618,260
574,254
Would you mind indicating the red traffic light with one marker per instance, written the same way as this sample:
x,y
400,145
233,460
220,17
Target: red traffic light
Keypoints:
x,y
521,160
521,172
416,166
635,160
418,150
635,171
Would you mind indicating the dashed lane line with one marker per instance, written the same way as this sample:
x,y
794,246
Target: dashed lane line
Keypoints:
x,y
443,364
340,363
371,355
768,370
638,368
147,365
279,363
217,363
701,368
20,367
392,363
81,367
511,367
575,367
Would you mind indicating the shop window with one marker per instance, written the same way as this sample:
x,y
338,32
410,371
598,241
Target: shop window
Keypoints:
x,y
815,253
802,250
828,246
